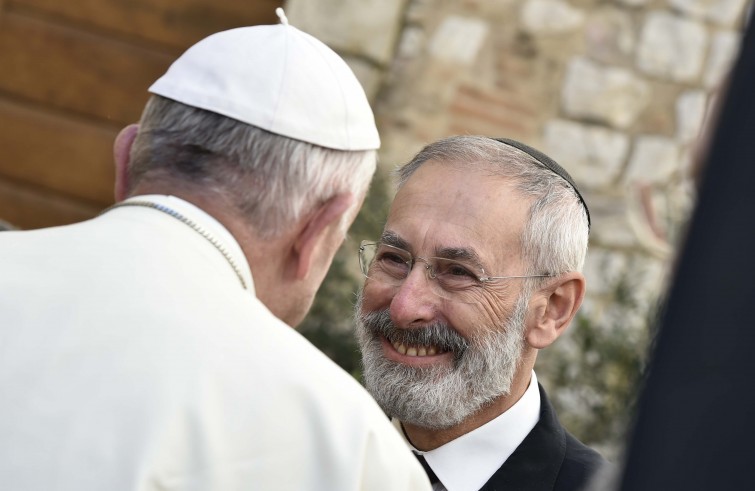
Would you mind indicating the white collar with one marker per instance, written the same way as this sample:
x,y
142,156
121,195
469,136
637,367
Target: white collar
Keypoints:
x,y
468,462
210,224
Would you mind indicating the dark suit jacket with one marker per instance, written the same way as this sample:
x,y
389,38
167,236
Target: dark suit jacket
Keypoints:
x,y
549,459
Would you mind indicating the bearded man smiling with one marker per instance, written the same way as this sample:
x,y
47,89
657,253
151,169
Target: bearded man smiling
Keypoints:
x,y
477,269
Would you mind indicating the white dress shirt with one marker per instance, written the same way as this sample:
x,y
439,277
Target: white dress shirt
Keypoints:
x,y
468,462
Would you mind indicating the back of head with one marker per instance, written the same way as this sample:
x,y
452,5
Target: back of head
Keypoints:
x,y
267,118
555,235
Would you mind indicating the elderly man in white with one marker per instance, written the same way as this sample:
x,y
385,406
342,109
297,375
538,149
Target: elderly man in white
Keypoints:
x,y
150,348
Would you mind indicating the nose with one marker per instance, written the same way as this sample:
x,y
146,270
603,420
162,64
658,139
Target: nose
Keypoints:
x,y
415,303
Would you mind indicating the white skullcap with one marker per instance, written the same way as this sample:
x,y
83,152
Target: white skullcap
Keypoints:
x,y
277,78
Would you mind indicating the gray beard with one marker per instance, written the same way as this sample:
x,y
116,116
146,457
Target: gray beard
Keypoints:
x,y
440,397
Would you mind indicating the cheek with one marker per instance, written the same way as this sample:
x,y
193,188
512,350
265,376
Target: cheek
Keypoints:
x,y
376,296
494,308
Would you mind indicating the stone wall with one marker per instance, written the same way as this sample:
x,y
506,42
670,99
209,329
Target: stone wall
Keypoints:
x,y
615,90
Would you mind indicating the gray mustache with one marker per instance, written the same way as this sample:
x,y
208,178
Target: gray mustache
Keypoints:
x,y
437,334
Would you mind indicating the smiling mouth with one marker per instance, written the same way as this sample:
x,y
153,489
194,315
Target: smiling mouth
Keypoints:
x,y
416,350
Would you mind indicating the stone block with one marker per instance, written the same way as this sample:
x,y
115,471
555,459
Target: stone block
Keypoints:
x,y
458,40
723,51
609,36
412,42
551,16
368,28
593,155
367,73
634,3
690,111
723,12
672,47
606,94
477,110
614,231
654,159
418,11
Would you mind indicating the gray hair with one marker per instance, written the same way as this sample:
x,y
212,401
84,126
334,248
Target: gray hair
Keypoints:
x,y
270,179
555,236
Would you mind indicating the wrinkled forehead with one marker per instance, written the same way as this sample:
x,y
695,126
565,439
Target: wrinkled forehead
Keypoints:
x,y
443,207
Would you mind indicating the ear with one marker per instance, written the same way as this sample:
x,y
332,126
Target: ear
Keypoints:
x,y
122,158
553,308
316,230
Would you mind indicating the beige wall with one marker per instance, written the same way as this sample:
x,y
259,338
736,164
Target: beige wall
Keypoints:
x,y
616,91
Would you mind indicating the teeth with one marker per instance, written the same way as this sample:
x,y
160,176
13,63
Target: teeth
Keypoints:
x,y
415,350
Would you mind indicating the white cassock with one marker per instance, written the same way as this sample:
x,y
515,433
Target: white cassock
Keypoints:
x,y
131,358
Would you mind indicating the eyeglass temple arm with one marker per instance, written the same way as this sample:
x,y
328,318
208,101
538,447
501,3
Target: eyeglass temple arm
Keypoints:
x,y
486,278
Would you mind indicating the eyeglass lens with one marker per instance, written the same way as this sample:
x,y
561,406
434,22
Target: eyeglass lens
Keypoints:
x,y
391,265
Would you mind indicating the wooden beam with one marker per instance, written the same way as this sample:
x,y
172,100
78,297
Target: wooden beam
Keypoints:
x,y
27,207
76,71
66,155
171,23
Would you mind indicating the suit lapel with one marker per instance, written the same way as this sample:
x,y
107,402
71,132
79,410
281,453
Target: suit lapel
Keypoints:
x,y
535,464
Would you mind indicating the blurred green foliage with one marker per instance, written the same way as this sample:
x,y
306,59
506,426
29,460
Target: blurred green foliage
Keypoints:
x,y
593,374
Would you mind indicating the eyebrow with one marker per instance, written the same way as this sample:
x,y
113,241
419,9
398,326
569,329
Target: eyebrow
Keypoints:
x,y
456,253
393,239
464,253
460,253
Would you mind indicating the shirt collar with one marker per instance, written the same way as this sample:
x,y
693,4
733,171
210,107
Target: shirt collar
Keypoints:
x,y
210,224
468,462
